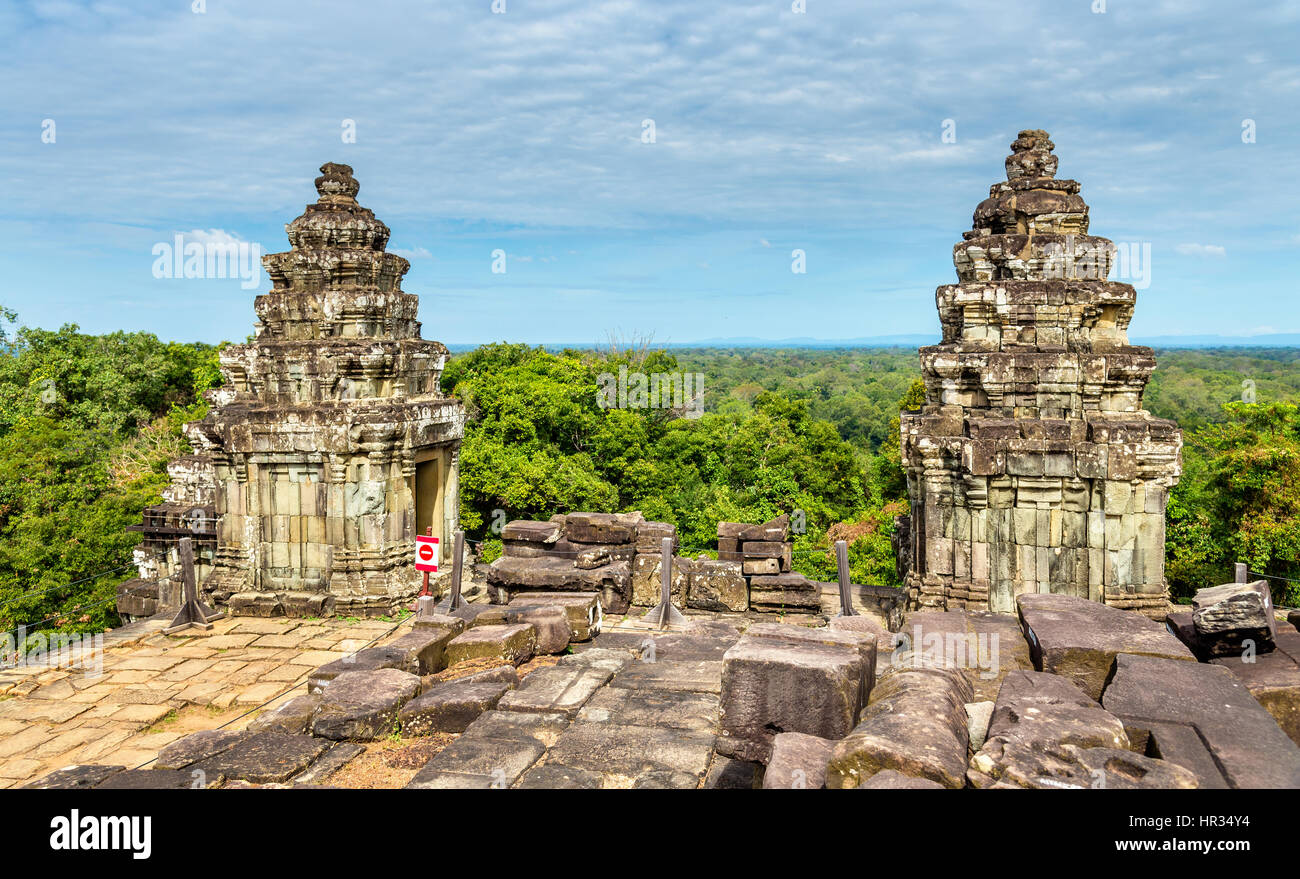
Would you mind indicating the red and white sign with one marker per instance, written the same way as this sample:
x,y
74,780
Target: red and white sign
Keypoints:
x,y
426,553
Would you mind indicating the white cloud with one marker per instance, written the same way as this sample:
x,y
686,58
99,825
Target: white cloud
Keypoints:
x,y
1207,250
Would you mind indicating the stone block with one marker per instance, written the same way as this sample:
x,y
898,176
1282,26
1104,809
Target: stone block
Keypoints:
x,y
1225,617
1038,713
798,761
368,659
622,753
450,707
890,779
773,684
601,527
1247,748
476,761
561,689
196,747
263,758
775,531
647,585
666,708
516,643
509,576
760,567
1274,680
718,586
1079,639
425,650
293,716
531,531
915,724
363,705
584,609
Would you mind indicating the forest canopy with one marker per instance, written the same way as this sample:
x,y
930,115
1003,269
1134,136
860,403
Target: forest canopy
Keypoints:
x,y
88,423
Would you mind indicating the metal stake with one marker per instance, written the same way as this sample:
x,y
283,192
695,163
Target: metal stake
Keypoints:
x,y
663,614
846,588
453,601
193,613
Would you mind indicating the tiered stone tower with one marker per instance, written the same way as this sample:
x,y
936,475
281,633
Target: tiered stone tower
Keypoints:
x,y
332,443
1032,466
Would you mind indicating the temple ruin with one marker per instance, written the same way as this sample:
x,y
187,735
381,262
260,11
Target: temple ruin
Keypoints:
x,y
331,445
1032,466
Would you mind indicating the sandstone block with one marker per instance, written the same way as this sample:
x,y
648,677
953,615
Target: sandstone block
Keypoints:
x,y
798,761
516,643
450,707
1246,747
717,585
363,705
1079,639
915,724
1225,617
584,609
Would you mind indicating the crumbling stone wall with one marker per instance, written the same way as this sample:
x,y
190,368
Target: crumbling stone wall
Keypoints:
x,y
316,439
1032,466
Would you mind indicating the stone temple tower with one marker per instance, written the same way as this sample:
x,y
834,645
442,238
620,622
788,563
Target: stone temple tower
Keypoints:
x,y
332,443
1032,466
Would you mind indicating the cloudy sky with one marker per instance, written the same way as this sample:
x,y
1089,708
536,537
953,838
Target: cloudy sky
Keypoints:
x,y
525,131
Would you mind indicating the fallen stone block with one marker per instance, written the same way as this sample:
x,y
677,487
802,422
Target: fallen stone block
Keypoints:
x,y
557,690
776,530
1038,714
550,621
664,708
368,659
196,747
612,660
1226,617
760,567
80,777
1080,639
623,752
531,531
157,779
450,707
478,671
978,717
488,763
438,621
263,758
886,640
717,585
798,761
338,756
584,609
425,650
985,646
775,683
890,779
554,777
704,676
776,592
601,527
863,643
516,643
647,579
1247,748
650,535
293,716
1274,680
544,729
507,577
728,774
363,705
915,723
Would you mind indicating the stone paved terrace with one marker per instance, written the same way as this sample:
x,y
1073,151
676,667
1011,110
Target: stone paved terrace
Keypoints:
x,y
156,688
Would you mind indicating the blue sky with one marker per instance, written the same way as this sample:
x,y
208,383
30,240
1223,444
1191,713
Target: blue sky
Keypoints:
x,y
522,132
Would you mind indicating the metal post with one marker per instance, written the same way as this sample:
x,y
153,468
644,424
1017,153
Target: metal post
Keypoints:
x,y
664,614
453,601
1241,572
846,588
193,613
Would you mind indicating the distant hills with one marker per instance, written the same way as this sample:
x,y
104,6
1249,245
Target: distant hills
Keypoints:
x,y
916,340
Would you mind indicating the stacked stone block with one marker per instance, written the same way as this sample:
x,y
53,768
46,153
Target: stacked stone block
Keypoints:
x,y
327,415
1032,466
619,556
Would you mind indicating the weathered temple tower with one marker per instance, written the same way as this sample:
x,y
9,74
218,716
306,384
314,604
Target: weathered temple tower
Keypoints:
x,y
1032,466
332,443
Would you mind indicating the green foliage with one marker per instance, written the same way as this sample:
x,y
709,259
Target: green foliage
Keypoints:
x,y
87,425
